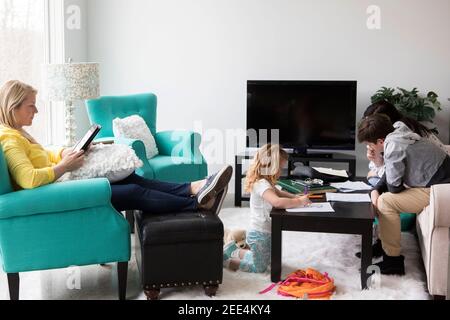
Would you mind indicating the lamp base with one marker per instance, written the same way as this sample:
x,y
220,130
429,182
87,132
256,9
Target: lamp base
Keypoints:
x,y
70,125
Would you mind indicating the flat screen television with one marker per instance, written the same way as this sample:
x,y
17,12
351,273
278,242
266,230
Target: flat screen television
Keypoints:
x,y
310,115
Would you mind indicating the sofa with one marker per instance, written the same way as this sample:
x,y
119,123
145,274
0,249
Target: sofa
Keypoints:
x,y
433,225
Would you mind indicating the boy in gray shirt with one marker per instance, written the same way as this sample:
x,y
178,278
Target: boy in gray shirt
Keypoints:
x,y
412,165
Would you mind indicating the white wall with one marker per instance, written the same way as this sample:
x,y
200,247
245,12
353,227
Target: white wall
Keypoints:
x,y
197,55
75,46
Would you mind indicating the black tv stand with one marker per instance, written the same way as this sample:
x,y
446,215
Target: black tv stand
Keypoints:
x,y
302,152
312,155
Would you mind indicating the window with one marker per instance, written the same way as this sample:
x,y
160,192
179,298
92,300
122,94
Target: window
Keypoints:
x,y
26,45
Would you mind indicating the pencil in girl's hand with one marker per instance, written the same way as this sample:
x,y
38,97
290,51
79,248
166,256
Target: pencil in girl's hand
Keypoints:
x,y
315,197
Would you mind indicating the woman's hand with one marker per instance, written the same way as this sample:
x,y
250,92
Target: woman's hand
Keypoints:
x,y
72,161
65,152
88,148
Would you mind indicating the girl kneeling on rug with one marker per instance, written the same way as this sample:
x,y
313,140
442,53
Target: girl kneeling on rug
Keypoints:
x,y
262,176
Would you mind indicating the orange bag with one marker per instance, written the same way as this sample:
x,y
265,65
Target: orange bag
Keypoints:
x,y
309,284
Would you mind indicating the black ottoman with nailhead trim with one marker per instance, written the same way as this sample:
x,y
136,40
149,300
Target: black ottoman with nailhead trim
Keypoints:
x,y
179,250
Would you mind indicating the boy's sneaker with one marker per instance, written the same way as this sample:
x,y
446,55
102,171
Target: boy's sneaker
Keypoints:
x,y
214,185
392,265
228,249
377,250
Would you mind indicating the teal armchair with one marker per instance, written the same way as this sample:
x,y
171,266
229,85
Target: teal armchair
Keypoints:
x,y
179,159
58,226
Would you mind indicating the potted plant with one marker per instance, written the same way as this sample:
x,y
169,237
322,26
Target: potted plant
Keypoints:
x,y
411,104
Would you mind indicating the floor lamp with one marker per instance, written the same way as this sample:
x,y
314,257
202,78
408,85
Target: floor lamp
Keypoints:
x,y
70,82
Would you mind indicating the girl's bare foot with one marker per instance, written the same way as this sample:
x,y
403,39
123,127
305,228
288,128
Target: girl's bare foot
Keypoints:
x,y
234,264
242,253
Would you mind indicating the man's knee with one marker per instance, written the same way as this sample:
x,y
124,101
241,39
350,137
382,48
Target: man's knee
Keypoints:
x,y
386,202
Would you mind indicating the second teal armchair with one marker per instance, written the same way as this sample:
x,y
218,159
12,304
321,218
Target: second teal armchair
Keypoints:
x,y
179,158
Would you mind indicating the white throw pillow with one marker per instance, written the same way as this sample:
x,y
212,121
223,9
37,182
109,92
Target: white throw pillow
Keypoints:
x,y
134,127
112,161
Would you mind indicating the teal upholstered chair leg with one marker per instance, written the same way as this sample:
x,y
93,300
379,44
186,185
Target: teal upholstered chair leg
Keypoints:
x,y
13,284
130,218
122,275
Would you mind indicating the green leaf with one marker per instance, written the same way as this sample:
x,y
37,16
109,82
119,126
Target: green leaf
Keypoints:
x,y
410,103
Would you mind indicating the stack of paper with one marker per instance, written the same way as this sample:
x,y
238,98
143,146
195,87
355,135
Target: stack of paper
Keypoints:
x,y
350,186
314,207
332,172
353,197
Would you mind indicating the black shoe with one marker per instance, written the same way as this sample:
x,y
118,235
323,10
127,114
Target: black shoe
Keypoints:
x,y
392,265
377,250
214,185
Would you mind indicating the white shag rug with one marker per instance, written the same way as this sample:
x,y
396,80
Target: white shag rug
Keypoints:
x,y
325,252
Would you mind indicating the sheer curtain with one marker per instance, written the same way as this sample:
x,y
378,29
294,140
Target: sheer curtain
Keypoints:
x,y
23,52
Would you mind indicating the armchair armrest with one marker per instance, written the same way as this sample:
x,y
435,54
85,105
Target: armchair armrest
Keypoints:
x,y
439,205
137,145
56,197
185,144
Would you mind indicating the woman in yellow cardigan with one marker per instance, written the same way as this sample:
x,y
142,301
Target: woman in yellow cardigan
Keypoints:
x,y
31,166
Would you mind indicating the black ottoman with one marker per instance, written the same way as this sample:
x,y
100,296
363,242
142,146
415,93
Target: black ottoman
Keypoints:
x,y
179,250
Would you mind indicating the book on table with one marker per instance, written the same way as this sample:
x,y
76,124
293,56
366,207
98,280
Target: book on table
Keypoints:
x,y
295,187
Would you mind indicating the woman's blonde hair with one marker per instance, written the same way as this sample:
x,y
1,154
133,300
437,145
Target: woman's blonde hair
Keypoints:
x,y
265,165
12,94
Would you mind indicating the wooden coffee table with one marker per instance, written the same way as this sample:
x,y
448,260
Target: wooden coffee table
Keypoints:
x,y
348,218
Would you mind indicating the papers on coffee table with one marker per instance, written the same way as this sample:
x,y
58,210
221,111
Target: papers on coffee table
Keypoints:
x,y
348,197
351,186
332,172
314,207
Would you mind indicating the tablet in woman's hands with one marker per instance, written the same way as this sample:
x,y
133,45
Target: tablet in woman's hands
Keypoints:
x,y
84,143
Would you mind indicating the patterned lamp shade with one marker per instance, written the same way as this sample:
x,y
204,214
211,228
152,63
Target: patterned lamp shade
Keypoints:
x,y
72,81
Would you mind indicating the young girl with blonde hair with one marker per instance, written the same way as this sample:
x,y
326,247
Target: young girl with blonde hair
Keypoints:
x,y
261,179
